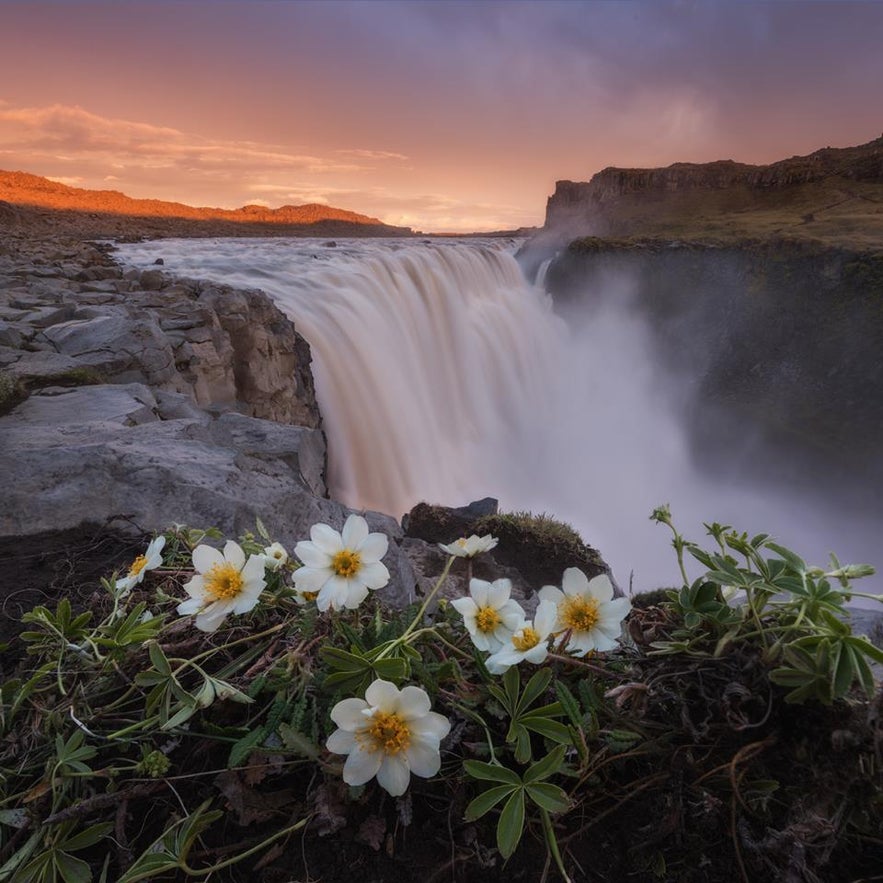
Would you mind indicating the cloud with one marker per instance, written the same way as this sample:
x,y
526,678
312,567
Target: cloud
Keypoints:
x,y
71,181
74,134
430,211
373,154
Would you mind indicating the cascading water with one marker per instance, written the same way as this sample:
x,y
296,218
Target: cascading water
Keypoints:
x,y
442,375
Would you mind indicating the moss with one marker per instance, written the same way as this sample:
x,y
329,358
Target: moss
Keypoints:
x,y
540,547
12,393
85,376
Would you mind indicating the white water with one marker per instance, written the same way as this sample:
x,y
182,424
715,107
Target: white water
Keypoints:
x,y
442,376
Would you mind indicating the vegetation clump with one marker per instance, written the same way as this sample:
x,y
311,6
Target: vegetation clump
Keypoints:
x,y
235,713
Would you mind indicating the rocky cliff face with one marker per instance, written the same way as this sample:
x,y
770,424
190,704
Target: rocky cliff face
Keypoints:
x,y
591,206
775,344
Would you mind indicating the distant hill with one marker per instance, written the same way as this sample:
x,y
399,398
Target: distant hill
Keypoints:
x,y
32,200
834,195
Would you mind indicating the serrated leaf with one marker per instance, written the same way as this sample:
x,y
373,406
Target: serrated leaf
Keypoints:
x,y
487,801
511,824
241,749
569,704
341,660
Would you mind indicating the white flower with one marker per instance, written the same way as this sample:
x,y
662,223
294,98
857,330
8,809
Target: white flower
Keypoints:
x,y
390,734
151,559
275,556
343,566
225,583
470,547
530,641
588,610
490,616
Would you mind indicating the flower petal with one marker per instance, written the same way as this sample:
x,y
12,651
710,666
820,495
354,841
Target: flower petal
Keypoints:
x,y
341,742
465,607
394,774
546,617
374,575
333,594
574,582
423,758
347,714
383,695
311,554
361,766
499,592
356,593
191,605
374,547
601,588
432,726
413,703
550,593
326,538
479,589
234,554
310,579
195,587
205,558
355,532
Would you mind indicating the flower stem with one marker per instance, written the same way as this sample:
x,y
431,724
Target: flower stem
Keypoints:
x,y
403,638
552,843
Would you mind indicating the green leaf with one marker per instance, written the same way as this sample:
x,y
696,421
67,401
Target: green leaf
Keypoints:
x,y
392,669
487,801
536,686
340,660
794,561
491,772
241,749
553,730
511,683
843,672
569,704
522,743
511,824
548,796
72,870
546,767
88,837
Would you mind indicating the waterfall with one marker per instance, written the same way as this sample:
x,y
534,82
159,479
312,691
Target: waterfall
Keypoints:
x,y
443,376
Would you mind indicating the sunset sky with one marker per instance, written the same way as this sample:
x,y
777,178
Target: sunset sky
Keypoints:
x,y
436,115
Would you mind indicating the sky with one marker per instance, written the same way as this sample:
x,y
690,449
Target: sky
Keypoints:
x,y
441,116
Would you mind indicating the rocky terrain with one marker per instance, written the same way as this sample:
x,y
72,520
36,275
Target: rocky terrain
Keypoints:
x,y
36,203
833,196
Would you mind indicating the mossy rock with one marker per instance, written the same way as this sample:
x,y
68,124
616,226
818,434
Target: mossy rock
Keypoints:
x,y
539,547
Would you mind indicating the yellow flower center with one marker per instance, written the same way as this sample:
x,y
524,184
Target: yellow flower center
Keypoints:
x,y
223,581
487,619
578,613
309,596
461,542
389,733
138,565
346,563
526,639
